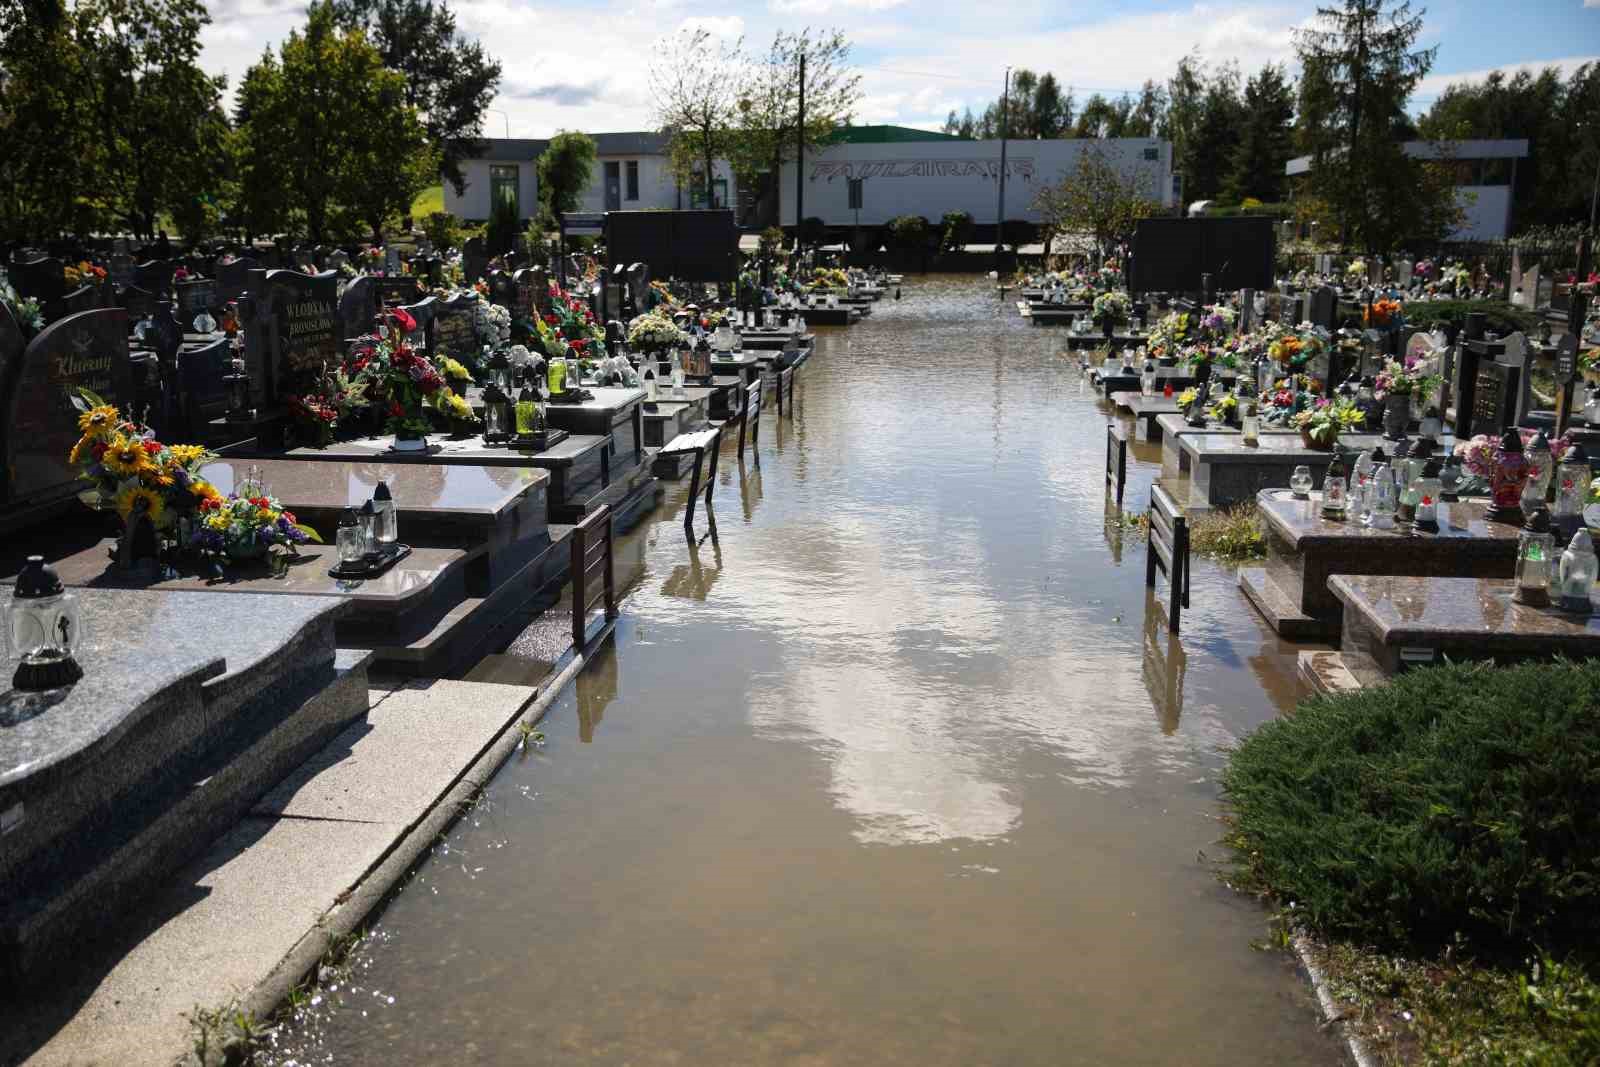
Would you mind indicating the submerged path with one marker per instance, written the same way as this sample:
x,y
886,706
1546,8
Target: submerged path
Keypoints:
x,y
900,768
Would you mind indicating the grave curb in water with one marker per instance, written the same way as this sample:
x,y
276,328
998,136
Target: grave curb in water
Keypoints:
x,y
343,917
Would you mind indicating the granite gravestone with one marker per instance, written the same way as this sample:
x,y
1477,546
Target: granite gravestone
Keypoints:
x,y
83,298
357,305
422,313
202,394
119,269
1324,309
154,275
391,260
639,287
503,290
40,278
11,348
525,304
455,331
474,259
305,314
1493,396
194,297
337,259
539,279
399,289
88,350
233,277
140,303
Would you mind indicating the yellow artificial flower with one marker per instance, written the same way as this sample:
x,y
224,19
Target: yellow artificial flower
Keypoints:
x,y
80,450
217,522
187,454
99,422
455,370
126,458
204,491
139,498
158,476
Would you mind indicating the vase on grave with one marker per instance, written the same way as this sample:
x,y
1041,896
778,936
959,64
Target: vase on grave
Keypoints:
x,y
1510,476
1396,415
410,444
1202,372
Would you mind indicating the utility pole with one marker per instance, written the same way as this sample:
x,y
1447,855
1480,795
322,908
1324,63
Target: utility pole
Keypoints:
x,y
1000,211
800,157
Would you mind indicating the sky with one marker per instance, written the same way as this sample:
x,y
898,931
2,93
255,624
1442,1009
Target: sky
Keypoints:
x,y
584,64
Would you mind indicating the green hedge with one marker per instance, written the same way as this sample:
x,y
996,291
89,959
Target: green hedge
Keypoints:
x,y
1455,800
1503,318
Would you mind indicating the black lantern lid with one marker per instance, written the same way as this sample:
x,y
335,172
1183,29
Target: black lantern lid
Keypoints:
x,y
1379,455
348,518
1336,467
493,394
1540,442
1538,520
37,580
1432,469
1576,454
381,493
1423,448
1511,441
367,510
499,361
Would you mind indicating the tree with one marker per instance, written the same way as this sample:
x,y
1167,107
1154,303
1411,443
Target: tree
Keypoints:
x,y
565,168
1365,65
1099,199
768,102
1181,122
449,80
1052,109
1149,113
328,124
1264,138
695,81
151,102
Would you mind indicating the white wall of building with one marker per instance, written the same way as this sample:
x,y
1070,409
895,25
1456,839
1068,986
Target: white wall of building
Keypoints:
x,y
473,203
930,178
657,188
1488,210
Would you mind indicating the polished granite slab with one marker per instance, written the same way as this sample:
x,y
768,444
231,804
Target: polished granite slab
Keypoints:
x,y
1146,410
1224,470
419,490
1304,550
1391,623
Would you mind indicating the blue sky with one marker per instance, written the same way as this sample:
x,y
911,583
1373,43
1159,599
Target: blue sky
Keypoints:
x,y
583,64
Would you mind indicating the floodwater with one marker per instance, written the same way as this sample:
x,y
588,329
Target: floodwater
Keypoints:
x,y
901,767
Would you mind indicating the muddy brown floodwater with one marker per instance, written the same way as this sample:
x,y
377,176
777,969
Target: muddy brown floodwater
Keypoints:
x,y
900,768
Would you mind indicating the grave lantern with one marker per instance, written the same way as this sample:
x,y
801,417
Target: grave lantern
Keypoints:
x,y
1427,490
1249,418
387,527
44,629
1578,570
1383,501
1147,376
1510,475
1535,547
367,518
1300,482
500,371
498,414
1591,407
350,544
1572,491
1335,498
237,386
529,410
1432,424
1540,463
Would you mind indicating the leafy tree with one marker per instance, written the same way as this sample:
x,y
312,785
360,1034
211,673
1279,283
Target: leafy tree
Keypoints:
x,y
1264,138
1097,199
1148,113
695,82
296,133
1364,66
565,169
1052,109
1181,122
768,105
449,80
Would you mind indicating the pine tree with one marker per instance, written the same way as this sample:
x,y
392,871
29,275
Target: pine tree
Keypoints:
x,y
1264,138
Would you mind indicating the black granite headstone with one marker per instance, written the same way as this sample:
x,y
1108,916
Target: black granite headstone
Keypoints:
x,y
423,313
193,298
525,302
503,290
155,275
40,425
83,298
357,306
474,259
455,331
119,269
233,277
40,278
202,394
1494,394
305,311
398,289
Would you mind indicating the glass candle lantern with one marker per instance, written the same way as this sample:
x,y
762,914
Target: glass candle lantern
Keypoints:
x,y
44,629
501,372
1426,488
1450,479
1591,408
1147,376
529,409
1300,482
1577,574
649,378
367,522
351,547
1383,501
1572,490
1335,498
556,376
498,414
1360,483
1249,420
387,527
1540,471
677,375
1432,424
1510,475
1535,547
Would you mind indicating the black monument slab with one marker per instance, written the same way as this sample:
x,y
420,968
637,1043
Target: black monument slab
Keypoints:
x,y
1493,399
357,306
474,259
304,310
154,275
455,331
195,296
233,277
40,278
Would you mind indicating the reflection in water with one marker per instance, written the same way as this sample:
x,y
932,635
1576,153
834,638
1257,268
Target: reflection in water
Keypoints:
x,y
597,688
1165,664
1114,528
879,780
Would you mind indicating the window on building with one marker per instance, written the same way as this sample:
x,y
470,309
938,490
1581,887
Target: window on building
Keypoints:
x,y
633,180
503,183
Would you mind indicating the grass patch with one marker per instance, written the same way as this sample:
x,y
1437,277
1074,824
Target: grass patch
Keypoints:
x,y
1233,533
427,202
1440,837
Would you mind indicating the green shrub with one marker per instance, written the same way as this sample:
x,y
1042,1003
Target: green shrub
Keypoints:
x,y
1458,799
443,229
957,231
501,232
1503,318
908,232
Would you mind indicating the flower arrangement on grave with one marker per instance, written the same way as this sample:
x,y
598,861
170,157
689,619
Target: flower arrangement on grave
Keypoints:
x,y
710,320
1112,309
1108,277
1217,320
1288,397
1407,377
1423,268
399,377
1301,279
1355,273
1383,312
129,470
84,273
1224,409
455,408
28,312
335,400
1295,346
1169,334
661,295
247,523
371,260
655,332
1321,424
828,278
491,322
1186,399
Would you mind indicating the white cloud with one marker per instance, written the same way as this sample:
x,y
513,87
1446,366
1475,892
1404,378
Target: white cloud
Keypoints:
x,y
727,27
1434,84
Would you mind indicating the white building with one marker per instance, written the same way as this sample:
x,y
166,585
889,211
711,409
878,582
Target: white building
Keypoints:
x,y
1487,173
630,174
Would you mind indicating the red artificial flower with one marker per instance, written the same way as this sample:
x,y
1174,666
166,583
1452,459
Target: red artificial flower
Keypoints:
x,y
152,447
100,449
290,516
403,320
551,320
396,411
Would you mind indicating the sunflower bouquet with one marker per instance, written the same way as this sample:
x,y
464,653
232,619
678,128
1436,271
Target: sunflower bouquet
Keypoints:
x,y
247,523
132,472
